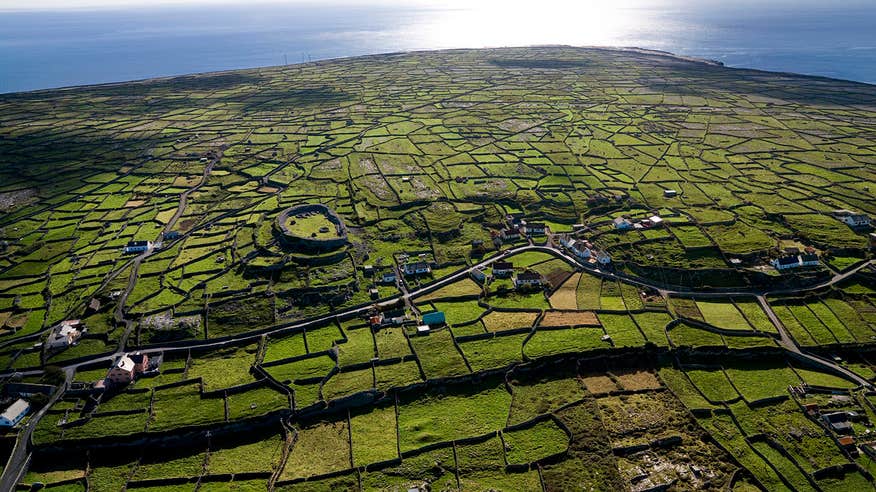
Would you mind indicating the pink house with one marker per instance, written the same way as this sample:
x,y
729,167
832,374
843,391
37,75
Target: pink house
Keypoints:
x,y
127,368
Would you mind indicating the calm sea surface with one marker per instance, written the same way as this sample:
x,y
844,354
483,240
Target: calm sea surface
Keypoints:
x,y
54,49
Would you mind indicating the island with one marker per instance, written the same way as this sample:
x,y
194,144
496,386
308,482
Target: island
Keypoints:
x,y
545,268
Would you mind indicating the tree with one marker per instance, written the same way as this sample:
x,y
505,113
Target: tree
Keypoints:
x,y
53,375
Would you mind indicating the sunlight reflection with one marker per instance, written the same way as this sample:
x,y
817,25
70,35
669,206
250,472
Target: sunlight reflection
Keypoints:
x,y
495,23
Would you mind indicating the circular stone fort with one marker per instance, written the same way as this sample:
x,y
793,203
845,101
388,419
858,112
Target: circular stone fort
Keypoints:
x,y
311,227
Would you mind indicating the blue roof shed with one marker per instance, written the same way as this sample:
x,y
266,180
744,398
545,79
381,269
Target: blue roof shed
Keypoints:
x,y
434,318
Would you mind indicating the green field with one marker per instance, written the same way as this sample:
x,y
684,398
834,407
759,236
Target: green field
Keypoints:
x,y
315,226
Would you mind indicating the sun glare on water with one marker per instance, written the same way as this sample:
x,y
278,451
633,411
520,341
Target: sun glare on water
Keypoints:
x,y
495,23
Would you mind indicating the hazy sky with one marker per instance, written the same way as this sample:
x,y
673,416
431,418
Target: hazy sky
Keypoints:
x,y
101,4
540,5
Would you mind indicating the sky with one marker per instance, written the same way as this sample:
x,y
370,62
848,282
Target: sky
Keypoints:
x,y
541,4
105,4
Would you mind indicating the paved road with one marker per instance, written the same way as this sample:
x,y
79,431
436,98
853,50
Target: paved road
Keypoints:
x,y
119,314
21,453
361,310
19,459
135,265
785,340
184,196
462,273
788,344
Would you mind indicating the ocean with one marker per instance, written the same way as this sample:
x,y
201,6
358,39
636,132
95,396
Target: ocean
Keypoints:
x,y
47,49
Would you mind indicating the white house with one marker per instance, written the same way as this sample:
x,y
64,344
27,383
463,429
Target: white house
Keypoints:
x,y
856,220
670,193
527,279
622,224
809,259
417,268
64,335
535,229
786,262
137,246
656,220
580,250
503,268
14,413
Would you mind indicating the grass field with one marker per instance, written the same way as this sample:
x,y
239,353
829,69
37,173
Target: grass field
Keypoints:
x,y
439,418
374,436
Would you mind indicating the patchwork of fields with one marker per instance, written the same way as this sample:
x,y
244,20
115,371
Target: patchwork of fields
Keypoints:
x,y
398,349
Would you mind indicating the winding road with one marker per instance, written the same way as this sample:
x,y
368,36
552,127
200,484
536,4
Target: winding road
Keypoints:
x,y
21,455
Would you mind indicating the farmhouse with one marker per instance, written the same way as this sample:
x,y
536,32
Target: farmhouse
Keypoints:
x,y
655,220
64,334
786,262
853,219
857,220
670,193
809,259
388,277
416,268
127,368
478,275
622,224
527,279
170,235
137,246
503,268
580,250
14,413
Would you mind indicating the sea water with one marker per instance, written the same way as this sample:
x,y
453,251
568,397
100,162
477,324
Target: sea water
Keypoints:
x,y
45,49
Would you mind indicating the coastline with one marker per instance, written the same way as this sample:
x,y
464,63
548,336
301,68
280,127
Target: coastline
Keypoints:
x,y
622,49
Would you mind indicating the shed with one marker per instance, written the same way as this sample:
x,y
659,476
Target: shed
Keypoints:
x,y
434,318
14,413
